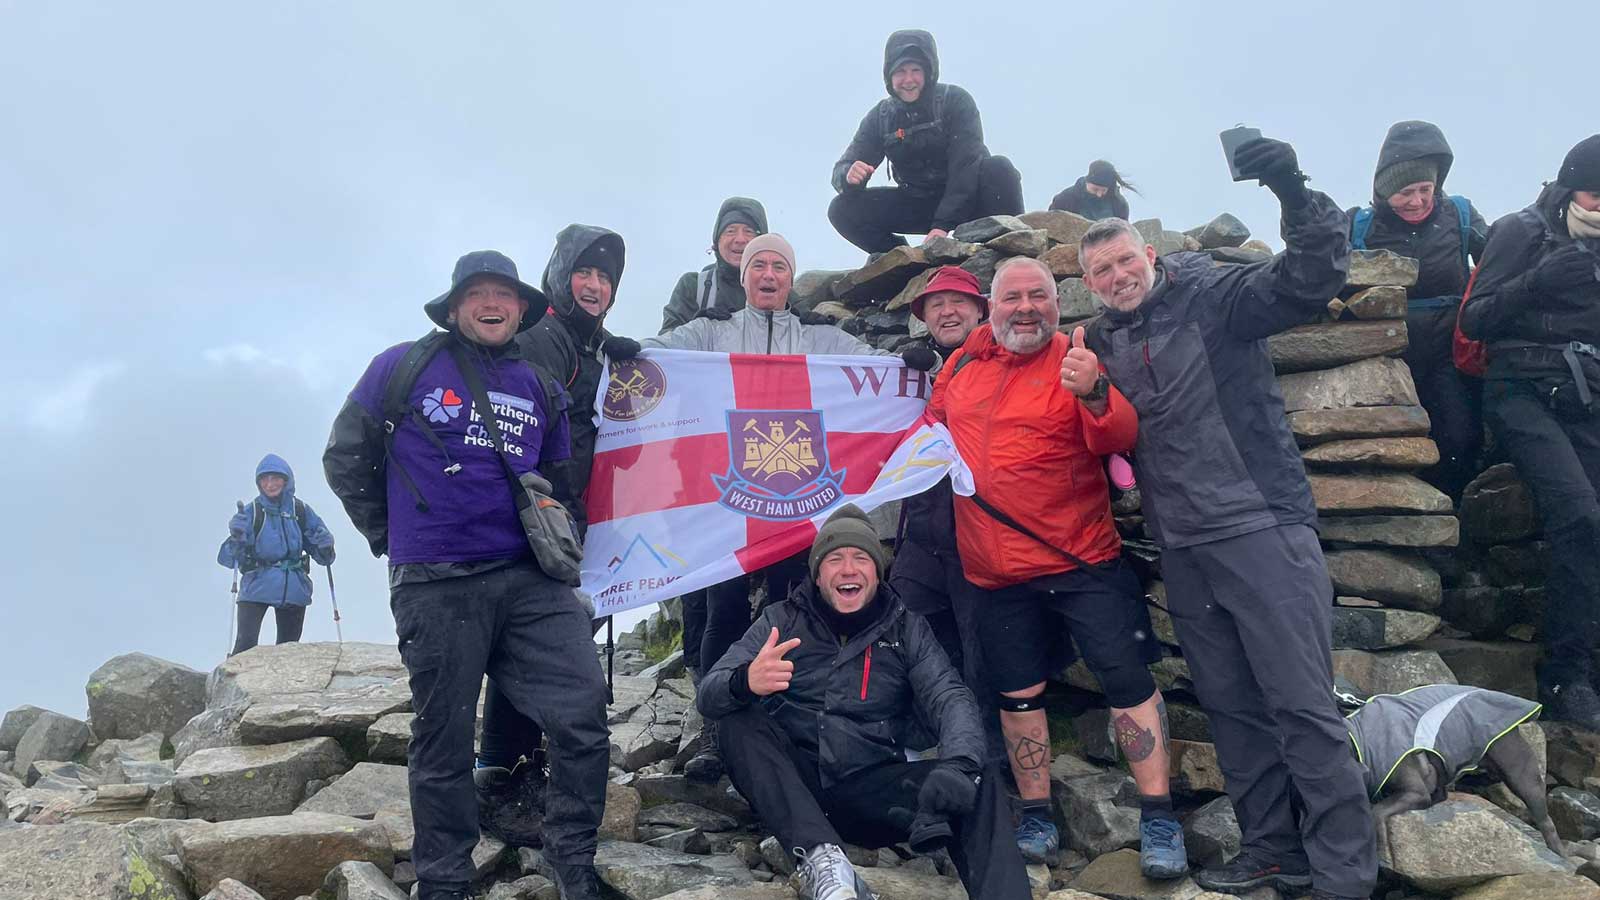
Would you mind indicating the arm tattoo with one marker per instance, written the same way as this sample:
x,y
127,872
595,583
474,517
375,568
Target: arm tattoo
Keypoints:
x,y
1137,743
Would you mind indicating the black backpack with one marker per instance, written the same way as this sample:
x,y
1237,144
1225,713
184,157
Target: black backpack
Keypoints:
x,y
259,519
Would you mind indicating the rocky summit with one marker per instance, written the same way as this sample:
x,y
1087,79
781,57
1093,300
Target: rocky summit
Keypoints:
x,y
280,775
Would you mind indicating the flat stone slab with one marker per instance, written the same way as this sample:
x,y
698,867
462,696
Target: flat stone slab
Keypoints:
x,y
1380,629
363,792
282,857
1368,494
643,872
1380,381
1390,671
1369,268
1392,531
1460,843
246,782
1116,876
882,278
1328,344
1381,302
85,861
1394,579
1406,453
1063,227
1316,426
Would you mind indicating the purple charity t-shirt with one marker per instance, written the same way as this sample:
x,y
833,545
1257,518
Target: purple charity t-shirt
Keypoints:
x,y
471,515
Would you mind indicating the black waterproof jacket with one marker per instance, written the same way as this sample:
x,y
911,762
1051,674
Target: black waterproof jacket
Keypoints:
x,y
1505,311
851,706
567,344
930,517
933,145
717,285
1215,456
1077,199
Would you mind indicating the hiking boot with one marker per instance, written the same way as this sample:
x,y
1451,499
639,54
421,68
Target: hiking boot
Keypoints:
x,y
1575,703
1243,873
511,803
826,874
1161,852
576,882
1038,840
705,767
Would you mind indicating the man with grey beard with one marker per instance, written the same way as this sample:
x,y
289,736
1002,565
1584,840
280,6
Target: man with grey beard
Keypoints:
x,y
1038,536
1225,494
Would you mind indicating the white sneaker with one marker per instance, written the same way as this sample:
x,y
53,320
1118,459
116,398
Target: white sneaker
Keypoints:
x,y
826,874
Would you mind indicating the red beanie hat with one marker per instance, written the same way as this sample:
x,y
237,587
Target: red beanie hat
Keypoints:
x,y
952,278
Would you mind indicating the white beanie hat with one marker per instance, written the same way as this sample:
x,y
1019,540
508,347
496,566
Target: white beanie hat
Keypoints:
x,y
769,241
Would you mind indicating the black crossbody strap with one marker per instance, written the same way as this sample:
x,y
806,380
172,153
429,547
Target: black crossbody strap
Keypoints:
x,y
1004,518
480,401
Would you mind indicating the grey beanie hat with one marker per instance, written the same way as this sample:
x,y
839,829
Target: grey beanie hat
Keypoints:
x,y
848,527
1392,179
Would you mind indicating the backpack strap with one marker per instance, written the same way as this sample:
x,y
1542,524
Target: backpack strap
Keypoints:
x,y
396,397
1359,228
1464,217
705,286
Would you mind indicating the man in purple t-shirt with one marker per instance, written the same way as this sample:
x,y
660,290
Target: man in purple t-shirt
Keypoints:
x,y
467,595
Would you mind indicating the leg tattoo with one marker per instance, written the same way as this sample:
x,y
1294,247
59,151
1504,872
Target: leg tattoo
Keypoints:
x,y
1030,757
1137,743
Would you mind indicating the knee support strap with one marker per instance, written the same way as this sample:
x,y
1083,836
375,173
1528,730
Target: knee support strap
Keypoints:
x,y
1126,686
1020,704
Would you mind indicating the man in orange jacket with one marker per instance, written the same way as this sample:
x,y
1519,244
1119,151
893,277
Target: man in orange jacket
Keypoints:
x,y
1032,414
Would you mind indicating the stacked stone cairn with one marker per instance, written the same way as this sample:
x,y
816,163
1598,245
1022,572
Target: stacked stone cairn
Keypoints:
x,y
281,774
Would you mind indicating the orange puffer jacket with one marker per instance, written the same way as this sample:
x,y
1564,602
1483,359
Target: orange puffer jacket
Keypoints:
x,y
1035,454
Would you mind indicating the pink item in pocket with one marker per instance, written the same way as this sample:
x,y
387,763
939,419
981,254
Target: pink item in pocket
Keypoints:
x,y
1120,471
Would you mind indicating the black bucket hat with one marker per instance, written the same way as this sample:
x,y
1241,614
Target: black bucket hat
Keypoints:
x,y
487,262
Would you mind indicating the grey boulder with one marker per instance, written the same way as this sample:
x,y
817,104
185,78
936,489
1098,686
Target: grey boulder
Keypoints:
x,y
136,693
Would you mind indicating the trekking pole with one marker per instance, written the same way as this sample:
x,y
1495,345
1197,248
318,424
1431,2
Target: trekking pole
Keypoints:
x,y
233,605
334,598
611,661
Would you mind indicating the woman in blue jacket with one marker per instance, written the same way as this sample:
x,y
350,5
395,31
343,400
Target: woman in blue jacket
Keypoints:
x,y
273,541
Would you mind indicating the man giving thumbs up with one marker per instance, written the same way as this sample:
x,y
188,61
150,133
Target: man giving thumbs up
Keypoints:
x,y
812,704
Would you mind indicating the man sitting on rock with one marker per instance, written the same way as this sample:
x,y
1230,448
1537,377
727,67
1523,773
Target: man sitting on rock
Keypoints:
x,y
1225,495
812,704
1032,415
425,483
933,138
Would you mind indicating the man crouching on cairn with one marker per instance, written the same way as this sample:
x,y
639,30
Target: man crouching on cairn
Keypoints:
x,y
811,704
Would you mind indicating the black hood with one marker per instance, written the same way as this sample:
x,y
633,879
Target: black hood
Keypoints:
x,y
1552,206
1408,141
557,283
750,208
911,42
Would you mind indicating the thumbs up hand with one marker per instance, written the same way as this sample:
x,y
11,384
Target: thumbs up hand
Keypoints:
x,y
769,672
1080,368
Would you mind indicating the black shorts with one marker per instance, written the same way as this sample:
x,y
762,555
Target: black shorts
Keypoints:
x,y
1027,631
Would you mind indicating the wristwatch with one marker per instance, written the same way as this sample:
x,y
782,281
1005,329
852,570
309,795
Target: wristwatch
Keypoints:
x,y
1100,391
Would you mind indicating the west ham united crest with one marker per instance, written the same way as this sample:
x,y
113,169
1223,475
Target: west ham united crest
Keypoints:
x,y
635,389
778,465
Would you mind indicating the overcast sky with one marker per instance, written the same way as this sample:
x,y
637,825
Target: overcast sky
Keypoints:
x,y
216,214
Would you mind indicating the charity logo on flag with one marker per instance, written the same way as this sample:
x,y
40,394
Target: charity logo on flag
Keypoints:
x,y
712,465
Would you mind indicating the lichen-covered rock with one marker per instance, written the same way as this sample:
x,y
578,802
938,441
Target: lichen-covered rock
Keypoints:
x,y
85,861
136,693
226,783
639,872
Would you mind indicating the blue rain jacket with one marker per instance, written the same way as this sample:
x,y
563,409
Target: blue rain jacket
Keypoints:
x,y
273,565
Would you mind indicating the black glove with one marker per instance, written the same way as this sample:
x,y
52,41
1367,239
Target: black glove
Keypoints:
x,y
807,317
620,348
947,790
715,312
1567,268
920,358
1275,166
